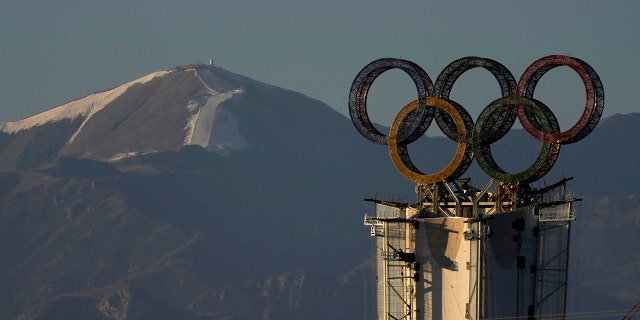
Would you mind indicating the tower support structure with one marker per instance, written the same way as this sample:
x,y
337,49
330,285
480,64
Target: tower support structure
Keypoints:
x,y
460,252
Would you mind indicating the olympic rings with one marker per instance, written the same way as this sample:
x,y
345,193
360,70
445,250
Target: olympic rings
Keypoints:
x,y
493,123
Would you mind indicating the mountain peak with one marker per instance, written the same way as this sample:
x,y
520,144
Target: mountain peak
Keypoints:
x,y
161,111
194,104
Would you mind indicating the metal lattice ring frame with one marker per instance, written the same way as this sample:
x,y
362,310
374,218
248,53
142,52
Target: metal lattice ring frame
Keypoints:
x,y
548,152
420,120
593,106
494,122
451,73
398,149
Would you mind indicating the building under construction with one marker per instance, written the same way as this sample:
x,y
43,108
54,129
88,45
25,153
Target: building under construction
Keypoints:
x,y
465,253
461,252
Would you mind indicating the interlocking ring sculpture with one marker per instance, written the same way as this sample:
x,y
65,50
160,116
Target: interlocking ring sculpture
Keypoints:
x,y
474,140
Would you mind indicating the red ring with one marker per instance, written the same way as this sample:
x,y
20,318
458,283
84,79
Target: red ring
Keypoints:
x,y
528,82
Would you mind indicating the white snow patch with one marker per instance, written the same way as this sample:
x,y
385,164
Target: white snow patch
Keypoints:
x,y
201,126
123,155
212,127
226,136
129,154
85,107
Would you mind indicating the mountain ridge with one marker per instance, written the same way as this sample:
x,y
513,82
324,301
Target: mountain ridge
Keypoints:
x,y
138,117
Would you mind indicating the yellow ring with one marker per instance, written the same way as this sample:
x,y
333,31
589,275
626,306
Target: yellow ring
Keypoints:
x,y
408,170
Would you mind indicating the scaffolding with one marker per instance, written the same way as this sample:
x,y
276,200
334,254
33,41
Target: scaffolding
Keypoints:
x,y
462,252
395,260
555,215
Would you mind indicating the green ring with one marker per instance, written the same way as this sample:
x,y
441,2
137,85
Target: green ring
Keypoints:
x,y
482,151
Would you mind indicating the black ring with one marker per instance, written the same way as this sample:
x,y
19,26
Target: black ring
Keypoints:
x,y
358,100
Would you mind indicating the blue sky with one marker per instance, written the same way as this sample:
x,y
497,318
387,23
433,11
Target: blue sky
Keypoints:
x,y
55,51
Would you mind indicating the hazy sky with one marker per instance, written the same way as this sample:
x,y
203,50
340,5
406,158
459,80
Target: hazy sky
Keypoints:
x,y
55,51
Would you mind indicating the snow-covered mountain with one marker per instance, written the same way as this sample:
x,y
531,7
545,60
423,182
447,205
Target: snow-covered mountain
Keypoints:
x,y
162,111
